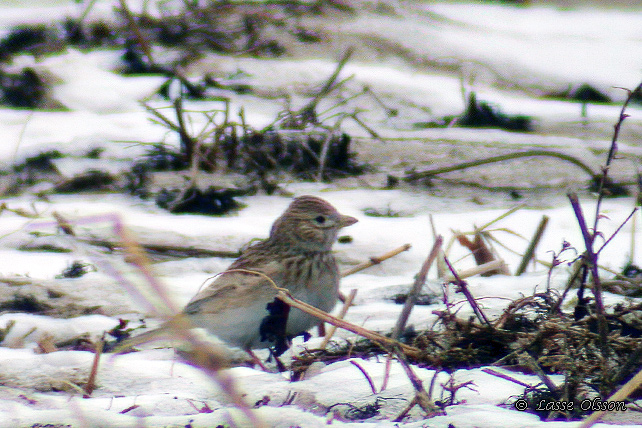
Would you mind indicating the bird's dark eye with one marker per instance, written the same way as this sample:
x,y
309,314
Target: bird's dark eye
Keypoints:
x,y
320,219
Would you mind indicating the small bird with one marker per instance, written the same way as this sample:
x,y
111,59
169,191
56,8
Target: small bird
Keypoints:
x,y
240,307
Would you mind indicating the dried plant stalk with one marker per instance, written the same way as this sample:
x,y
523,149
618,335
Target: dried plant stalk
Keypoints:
x,y
463,287
530,251
477,270
284,295
342,314
376,260
91,382
420,280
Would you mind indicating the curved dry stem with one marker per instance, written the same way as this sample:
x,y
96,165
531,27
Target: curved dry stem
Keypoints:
x,y
510,156
284,295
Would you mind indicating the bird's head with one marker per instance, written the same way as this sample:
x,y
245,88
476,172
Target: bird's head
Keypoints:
x,y
310,223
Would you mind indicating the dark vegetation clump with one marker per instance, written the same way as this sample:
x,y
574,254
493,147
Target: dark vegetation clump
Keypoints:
x,y
134,61
95,153
137,180
528,337
93,180
193,200
42,39
632,271
297,152
162,158
584,93
350,412
298,143
222,27
34,169
422,299
41,162
23,90
480,114
89,35
587,93
24,303
208,88
217,26
24,39
26,88
120,333
75,270
610,188
386,213
345,239
360,348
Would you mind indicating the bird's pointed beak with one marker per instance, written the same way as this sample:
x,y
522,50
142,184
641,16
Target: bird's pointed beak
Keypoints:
x,y
346,220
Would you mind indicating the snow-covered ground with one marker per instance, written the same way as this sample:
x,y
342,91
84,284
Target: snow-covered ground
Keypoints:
x,y
535,49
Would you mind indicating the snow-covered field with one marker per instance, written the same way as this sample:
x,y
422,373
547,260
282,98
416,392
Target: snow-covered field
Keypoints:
x,y
510,55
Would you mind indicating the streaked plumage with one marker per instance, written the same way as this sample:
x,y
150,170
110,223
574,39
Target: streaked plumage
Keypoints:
x,y
297,256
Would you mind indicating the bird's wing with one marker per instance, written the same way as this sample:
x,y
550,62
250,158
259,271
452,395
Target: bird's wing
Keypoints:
x,y
234,290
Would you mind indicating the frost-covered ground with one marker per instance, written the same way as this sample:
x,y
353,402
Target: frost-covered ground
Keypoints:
x,y
511,55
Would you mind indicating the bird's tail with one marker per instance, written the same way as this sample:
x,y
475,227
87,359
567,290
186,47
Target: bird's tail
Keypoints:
x,y
174,328
159,333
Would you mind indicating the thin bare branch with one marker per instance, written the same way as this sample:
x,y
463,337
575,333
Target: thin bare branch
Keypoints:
x,y
376,260
463,287
530,251
342,314
420,280
591,259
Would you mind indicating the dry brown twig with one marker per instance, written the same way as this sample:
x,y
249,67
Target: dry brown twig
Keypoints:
x,y
284,295
420,280
463,287
342,314
589,238
63,224
135,29
481,251
386,372
530,250
366,375
527,359
164,249
329,85
386,342
90,386
411,300
505,377
591,262
441,265
491,266
421,399
500,158
19,211
376,260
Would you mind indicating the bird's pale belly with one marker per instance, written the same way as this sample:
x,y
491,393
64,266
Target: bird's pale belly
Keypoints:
x,y
322,297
